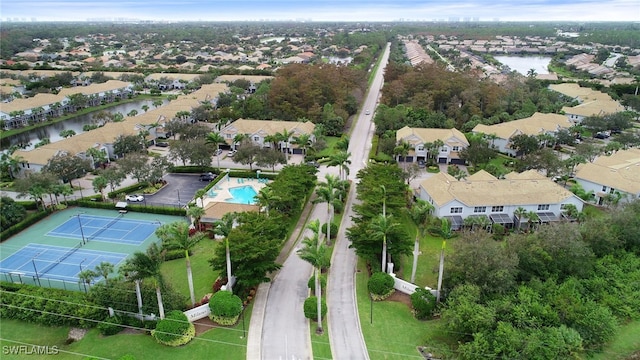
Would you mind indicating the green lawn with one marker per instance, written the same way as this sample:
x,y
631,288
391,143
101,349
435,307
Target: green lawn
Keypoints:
x,y
175,271
320,343
217,343
390,330
624,345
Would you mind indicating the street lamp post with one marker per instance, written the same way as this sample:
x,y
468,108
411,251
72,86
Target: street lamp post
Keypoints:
x,y
244,334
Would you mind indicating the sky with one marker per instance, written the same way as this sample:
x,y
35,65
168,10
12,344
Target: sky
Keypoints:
x,y
322,10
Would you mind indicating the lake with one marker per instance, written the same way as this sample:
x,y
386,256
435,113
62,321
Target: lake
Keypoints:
x,y
52,131
523,64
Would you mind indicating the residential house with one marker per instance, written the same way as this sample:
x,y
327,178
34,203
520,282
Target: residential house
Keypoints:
x,y
484,195
259,131
592,102
616,175
25,111
501,135
453,142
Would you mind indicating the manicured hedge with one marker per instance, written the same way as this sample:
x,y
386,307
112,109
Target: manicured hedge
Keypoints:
x,y
163,210
174,330
110,326
46,306
311,308
380,285
423,303
312,283
28,221
225,307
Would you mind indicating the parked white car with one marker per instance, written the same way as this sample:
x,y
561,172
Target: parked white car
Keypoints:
x,y
134,198
231,153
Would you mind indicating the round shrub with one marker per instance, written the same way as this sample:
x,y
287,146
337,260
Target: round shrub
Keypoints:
x,y
334,229
312,283
174,330
380,285
110,326
311,308
423,303
225,307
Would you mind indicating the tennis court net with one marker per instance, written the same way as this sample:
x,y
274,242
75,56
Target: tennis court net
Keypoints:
x,y
102,229
61,258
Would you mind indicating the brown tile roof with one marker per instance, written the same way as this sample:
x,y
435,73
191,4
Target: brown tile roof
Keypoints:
x,y
538,123
448,136
271,127
215,210
485,189
620,171
24,104
95,88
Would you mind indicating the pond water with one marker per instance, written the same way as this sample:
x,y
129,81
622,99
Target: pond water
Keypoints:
x,y
523,64
52,131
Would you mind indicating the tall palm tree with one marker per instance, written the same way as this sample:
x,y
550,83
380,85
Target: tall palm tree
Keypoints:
x,y
341,160
144,265
200,194
420,212
316,254
381,226
223,227
532,217
104,269
327,192
176,237
283,137
216,139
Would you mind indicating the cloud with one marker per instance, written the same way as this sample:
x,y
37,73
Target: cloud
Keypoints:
x,y
326,10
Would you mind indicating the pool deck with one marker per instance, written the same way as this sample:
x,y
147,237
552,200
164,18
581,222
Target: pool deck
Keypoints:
x,y
220,191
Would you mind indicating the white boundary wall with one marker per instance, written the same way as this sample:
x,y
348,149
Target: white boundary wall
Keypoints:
x,y
198,313
407,287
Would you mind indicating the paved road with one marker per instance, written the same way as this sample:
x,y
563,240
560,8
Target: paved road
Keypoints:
x,y
344,324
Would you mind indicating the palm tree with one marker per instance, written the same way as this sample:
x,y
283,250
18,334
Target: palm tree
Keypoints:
x,y
223,227
420,212
316,254
266,197
177,238
341,159
200,194
327,192
104,269
532,217
144,265
145,107
381,226
86,277
520,213
402,150
284,137
303,141
238,139
216,139
195,212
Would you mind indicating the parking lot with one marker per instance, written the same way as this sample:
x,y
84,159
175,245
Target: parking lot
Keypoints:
x,y
180,189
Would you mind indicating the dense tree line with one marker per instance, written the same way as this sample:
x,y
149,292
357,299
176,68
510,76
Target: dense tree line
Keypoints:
x,y
552,293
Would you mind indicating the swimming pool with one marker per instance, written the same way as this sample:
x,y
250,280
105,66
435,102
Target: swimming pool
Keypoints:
x,y
242,195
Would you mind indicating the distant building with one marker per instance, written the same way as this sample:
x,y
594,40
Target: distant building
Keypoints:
x,y
616,175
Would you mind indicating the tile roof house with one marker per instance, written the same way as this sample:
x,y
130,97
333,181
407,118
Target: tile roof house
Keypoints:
x,y
453,141
536,124
258,130
615,174
592,102
482,194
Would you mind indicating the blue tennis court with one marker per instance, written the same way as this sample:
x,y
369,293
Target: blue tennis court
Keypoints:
x,y
56,262
106,229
